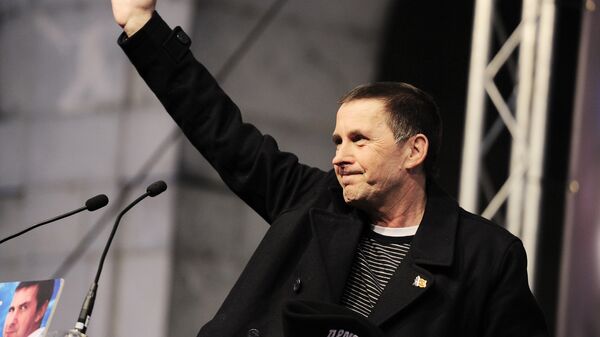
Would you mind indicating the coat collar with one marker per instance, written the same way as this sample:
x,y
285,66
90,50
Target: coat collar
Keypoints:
x,y
433,245
434,241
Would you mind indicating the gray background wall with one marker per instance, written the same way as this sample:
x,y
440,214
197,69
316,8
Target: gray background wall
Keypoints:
x,y
75,121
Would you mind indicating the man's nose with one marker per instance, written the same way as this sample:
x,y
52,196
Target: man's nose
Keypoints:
x,y
342,155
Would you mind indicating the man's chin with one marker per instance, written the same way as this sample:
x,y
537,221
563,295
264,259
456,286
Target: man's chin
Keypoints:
x,y
353,199
349,198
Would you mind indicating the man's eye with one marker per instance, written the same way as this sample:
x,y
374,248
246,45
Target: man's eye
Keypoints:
x,y
357,137
359,140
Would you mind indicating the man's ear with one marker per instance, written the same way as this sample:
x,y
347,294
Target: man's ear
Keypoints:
x,y
418,145
39,315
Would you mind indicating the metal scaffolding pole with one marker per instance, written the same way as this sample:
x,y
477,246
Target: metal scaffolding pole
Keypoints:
x,y
521,190
518,154
480,51
537,134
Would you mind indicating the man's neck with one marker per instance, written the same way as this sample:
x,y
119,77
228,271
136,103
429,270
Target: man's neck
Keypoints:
x,y
405,208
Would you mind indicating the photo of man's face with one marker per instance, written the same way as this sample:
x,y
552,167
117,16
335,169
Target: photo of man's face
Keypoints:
x,y
24,315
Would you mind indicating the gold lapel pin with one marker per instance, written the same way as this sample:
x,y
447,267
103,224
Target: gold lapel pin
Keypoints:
x,y
420,282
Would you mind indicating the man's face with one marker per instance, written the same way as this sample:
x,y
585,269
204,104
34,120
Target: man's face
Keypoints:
x,y
23,318
368,162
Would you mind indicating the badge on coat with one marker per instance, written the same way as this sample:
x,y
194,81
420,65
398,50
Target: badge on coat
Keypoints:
x,y
420,282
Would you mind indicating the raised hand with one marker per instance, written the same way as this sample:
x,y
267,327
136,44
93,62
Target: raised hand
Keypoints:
x,y
131,15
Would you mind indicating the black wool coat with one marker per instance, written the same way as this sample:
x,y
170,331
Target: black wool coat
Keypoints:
x,y
464,275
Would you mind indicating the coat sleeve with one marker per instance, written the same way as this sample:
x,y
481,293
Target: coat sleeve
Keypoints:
x,y
250,163
511,308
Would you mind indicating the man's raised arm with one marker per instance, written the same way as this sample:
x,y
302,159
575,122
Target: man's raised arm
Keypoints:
x,y
131,15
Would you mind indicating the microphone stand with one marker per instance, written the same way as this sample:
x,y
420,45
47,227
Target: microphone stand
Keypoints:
x,y
91,204
88,303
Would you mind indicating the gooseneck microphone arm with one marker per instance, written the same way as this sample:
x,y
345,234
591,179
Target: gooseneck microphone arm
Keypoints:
x,y
153,190
91,205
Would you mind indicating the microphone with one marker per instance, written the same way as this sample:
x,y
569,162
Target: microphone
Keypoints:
x,y
96,202
156,188
83,320
91,205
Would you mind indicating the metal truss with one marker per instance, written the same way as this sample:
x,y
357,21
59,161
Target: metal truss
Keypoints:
x,y
523,115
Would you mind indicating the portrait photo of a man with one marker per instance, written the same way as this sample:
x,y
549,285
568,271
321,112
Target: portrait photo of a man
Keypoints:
x,y
26,314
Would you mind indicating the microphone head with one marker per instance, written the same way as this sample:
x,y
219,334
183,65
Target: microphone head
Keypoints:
x,y
156,188
96,202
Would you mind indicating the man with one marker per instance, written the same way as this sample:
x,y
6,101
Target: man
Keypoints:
x,y
375,234
27,309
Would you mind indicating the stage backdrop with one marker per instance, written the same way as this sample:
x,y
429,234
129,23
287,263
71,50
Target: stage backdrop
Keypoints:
x,y
580,279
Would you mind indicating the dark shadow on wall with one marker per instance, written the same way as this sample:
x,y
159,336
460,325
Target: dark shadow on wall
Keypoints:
x,y
428,45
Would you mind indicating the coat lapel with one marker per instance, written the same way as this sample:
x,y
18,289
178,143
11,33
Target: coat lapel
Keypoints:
x,y
334,241
408,283
336,231
433,245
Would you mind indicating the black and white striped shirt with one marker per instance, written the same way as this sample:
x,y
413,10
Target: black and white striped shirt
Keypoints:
x,y
379,253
